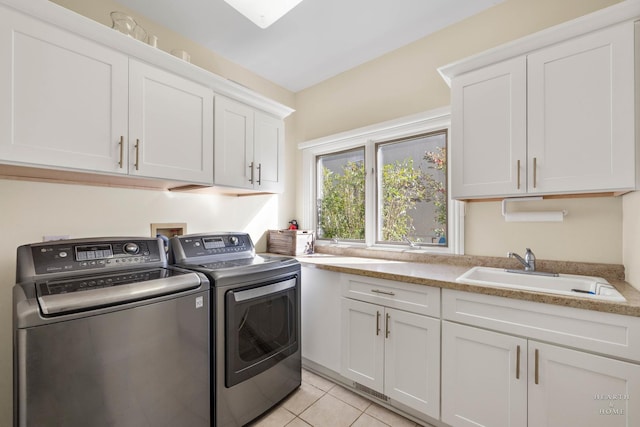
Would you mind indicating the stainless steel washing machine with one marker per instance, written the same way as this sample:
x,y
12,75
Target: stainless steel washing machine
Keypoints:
x,y
255,322
107,334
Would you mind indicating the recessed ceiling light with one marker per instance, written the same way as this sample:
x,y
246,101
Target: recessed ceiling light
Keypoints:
x,y
263,12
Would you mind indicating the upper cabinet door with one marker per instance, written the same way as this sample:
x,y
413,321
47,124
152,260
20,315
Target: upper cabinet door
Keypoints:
x,y
269,152
63,98
489,119
170,126
581,113
234,164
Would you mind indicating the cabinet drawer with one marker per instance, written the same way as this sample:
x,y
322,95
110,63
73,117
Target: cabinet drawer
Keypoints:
x,y
605,333
403,296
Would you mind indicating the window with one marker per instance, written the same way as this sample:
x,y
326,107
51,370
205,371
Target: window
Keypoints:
x,y
340,187
412,190
383,186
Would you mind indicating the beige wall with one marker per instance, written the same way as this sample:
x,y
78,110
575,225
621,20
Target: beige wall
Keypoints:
x,y
406,81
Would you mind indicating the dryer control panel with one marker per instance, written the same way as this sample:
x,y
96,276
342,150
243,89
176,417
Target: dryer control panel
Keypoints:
x,y
222,245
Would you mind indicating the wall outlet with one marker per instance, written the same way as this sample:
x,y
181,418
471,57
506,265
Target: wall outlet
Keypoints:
x,y
51,237
169,229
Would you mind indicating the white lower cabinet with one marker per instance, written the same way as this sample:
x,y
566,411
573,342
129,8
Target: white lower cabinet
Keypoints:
x,y
483,383
392,352
320,315
574,388
495,379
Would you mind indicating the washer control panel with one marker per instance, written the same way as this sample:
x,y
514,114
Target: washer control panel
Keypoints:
x,y
79,255
216,244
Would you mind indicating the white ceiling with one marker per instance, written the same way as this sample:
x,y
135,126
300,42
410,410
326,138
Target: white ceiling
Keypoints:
x,y
317,40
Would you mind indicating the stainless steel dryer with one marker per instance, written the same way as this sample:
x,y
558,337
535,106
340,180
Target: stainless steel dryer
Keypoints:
x,y
255,322
106,334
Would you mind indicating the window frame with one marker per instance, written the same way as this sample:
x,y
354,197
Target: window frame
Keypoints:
x,y
368,137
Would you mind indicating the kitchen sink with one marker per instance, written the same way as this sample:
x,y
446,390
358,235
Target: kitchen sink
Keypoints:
x,y
563,284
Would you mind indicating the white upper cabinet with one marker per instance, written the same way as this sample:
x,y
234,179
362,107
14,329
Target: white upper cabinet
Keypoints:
x,y
77,96
559,119
489,130
249,147
268,152
170,126
63,99
581,114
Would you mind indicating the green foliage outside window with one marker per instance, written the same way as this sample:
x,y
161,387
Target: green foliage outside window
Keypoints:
x,y
403,187
341,210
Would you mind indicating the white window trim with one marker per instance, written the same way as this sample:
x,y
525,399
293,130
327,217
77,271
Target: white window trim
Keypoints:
x,y
424,122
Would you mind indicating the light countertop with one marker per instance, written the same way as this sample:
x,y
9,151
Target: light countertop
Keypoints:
x,y
443,274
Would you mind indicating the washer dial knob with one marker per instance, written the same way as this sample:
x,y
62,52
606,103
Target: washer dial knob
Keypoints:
x,y
131,248
234,240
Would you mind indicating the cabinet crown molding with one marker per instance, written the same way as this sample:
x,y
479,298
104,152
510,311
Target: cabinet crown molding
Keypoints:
x,y
628,10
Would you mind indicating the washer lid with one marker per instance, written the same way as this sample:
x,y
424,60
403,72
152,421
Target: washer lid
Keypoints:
x,y
62,296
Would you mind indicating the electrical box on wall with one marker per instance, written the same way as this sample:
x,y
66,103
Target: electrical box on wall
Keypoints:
x,y
169,229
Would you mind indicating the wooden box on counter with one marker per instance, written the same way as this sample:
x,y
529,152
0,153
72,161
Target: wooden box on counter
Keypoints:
x,y
290,242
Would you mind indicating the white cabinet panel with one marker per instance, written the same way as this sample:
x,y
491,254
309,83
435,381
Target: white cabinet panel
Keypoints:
x,y
170,126
269,152
249,147
569,387
581,104
484,378
233,143
489,130
63,98
321,313
412,360
363,343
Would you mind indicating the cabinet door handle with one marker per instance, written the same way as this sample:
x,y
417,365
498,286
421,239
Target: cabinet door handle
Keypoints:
x,y
537,370
386,326
535,171
518,174
259,173
377,323
518,362
121,144
137,154
251,167
378,291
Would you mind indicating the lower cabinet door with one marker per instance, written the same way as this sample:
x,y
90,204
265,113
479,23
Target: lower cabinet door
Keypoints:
x,y
574,388
412,360
484,378
363,343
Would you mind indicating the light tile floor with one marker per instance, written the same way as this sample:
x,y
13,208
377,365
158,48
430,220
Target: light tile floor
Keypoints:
x,y
321,403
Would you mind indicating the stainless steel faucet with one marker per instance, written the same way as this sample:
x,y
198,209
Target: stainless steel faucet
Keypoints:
x,y
529,260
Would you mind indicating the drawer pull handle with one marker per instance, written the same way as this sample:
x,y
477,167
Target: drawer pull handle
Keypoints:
x,y
378,291
518,174
386,326
535,172
377,323
518,362
536,374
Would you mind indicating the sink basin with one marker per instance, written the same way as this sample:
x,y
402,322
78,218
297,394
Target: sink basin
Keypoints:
x,y
564,284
